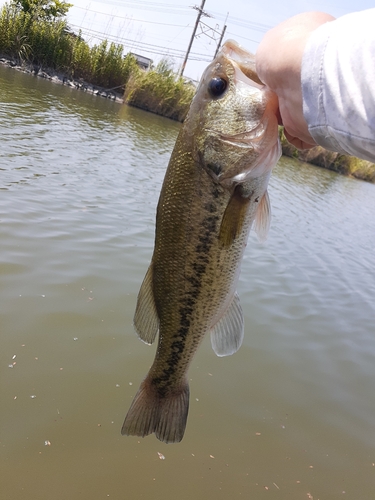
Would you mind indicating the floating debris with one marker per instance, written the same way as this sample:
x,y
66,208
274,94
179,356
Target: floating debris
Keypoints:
x,y
47,443
161,456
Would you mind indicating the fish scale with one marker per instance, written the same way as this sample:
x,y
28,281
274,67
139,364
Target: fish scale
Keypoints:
x,y
215,187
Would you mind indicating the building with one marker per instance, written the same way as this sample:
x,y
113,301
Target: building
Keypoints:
x,y
142,61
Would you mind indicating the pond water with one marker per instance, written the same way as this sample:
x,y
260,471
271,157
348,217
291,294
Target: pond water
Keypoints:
x,y
290,416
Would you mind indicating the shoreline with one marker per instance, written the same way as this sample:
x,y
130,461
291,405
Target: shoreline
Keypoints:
x,y
349,166
62,79
342,164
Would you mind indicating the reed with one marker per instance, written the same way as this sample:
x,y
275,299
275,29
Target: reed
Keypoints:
x,y
50,44
160,91
342,164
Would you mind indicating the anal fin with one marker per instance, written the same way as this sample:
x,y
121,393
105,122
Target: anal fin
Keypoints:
x,y
146,320
227,334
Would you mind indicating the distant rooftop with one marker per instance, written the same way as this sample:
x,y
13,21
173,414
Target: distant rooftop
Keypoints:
x,y
142,61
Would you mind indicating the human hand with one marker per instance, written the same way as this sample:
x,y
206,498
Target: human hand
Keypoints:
x,y
278,65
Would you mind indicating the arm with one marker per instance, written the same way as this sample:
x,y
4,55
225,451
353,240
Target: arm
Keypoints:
x,y
323,72
338,85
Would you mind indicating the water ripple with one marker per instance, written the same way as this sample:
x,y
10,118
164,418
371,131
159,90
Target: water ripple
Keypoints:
x,y
79,180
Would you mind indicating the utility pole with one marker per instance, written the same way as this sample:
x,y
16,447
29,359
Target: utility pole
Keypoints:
x,y
221,38
200,12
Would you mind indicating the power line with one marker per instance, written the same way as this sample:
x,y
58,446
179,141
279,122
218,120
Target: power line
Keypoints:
x,y
151,6
244,37
243,23
160,50
201,12
147,47
127,18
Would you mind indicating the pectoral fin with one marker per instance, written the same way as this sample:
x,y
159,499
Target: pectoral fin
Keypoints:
x,y
227,334
234,217
263,217
146,321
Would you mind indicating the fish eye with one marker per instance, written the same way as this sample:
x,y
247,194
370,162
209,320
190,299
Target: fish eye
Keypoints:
x,y
217,86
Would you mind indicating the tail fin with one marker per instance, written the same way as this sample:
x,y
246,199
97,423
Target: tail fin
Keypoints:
x,y
164,415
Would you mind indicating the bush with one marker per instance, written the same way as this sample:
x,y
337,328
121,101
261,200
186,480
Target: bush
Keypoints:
x,y
49,43
161,92
343,164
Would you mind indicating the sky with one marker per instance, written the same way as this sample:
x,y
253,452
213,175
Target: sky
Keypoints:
x,y
157,29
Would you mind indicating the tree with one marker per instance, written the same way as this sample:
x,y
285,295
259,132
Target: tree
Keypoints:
x,y
49,10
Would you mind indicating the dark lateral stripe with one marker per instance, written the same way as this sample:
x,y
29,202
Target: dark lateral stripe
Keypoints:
x,y
198,268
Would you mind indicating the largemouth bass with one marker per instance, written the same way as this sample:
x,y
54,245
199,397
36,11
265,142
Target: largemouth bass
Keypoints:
x,y
214,189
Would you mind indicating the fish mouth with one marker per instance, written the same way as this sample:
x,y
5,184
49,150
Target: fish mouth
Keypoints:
x,y
244,60
245,70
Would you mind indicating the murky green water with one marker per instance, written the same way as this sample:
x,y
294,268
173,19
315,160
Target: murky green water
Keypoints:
x,y
290,416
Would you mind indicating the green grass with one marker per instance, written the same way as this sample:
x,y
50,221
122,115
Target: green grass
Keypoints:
x,y
49,44
342,164
160,91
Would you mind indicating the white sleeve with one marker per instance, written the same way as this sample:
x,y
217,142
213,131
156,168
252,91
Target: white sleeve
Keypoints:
x,y
338,85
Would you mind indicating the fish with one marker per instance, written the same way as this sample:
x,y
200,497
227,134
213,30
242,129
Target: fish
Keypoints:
x,y
214,191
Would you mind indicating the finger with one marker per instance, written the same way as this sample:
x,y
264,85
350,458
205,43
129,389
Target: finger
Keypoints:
x,y
278,116
297,142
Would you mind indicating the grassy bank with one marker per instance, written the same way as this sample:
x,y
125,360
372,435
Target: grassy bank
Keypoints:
x,y
342,164
48,45
160,92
